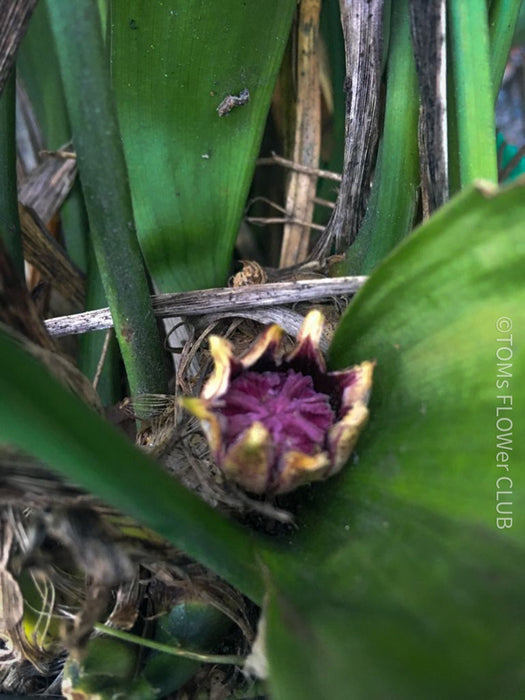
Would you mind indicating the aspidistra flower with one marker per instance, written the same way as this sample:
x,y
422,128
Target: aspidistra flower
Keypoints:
x,y
276,421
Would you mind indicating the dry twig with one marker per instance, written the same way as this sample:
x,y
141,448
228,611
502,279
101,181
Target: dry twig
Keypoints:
x,y
215,301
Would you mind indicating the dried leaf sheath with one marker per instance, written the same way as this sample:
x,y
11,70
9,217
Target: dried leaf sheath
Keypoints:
x,y
428,37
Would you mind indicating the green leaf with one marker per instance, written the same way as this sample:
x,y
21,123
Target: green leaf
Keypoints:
x,y
42,79
471,121
503,20
401,581
83,63
10,232
41,417
190,170
44,85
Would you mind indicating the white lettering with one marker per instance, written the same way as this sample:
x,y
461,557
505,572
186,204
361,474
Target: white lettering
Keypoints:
x,y
503,408
502,370
504,353
499,507
503,523
504,424
505,399
504,441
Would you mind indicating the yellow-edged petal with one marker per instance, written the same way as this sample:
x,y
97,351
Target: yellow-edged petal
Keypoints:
x,y
307,345
299,468
361,387
268,342
248,461
311,328
343,436
218,382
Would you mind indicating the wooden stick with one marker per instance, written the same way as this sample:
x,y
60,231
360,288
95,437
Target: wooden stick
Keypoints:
x,y
220,300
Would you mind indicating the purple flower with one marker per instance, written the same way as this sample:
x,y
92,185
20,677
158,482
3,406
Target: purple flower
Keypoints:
x,y
274,421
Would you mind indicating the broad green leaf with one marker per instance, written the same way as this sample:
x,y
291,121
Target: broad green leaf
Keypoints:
x,y
190,170
44,419
401,581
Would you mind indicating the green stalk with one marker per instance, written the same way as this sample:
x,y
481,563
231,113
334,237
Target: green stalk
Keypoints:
x,y
454,184
46,420
171,650
9,222
503,17
473,91
391,207
85,72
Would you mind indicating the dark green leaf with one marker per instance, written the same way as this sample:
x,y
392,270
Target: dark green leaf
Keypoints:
x,y
85,73
9,223
44,419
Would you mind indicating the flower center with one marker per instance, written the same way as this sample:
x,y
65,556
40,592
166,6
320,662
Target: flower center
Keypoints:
x,y
287,404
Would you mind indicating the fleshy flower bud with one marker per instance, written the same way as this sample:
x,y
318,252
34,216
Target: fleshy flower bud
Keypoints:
x,y
274,421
